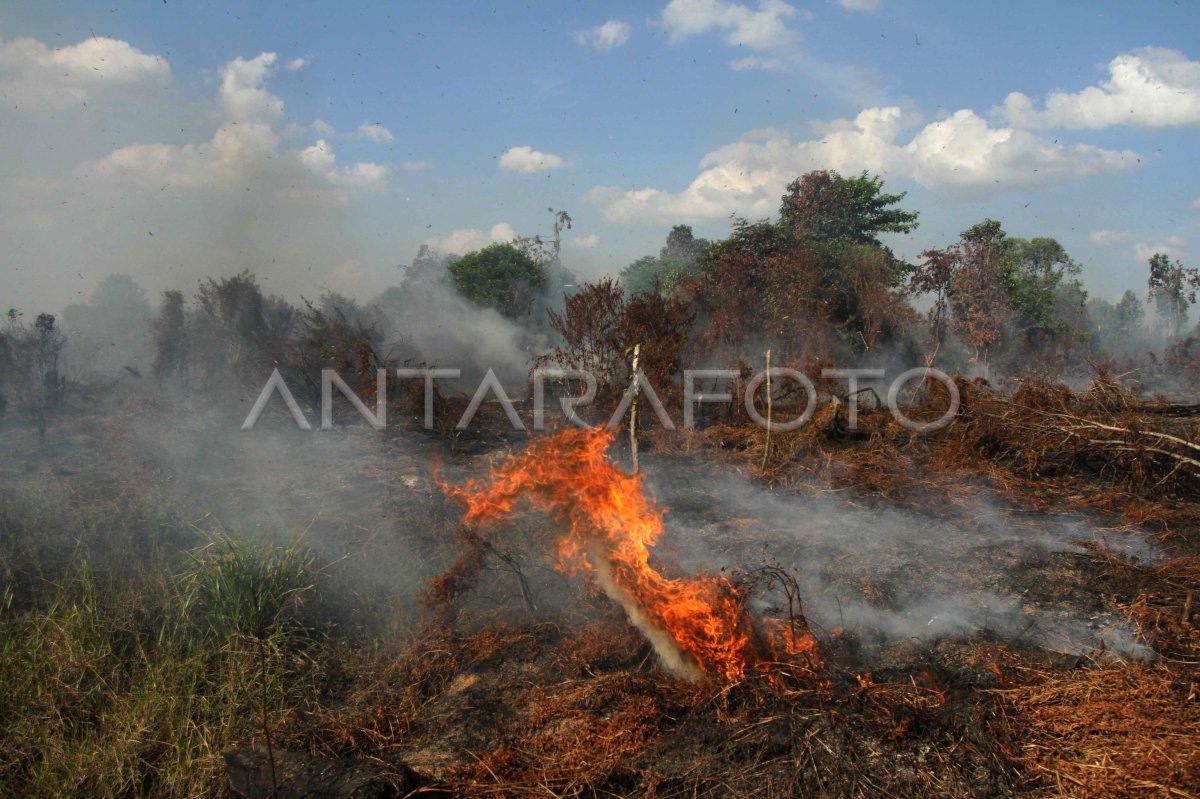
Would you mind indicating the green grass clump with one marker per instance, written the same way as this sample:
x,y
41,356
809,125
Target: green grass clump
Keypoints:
x,y
132,689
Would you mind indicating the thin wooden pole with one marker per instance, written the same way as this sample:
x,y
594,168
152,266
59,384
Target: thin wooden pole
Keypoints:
x,y
767,447
636,388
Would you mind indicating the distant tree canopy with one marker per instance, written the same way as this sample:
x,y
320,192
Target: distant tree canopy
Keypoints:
x,y
830,208
501,276
1173,288
990,285
29,365
1042,288
768,283
1119,327
109,331
676,260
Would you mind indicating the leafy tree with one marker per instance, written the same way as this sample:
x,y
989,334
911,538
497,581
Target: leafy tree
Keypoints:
x,y
967,280
1130,314
1042,289
644,275
1120,325
1173,288
500,276
828,207
844,216
676,260
763,284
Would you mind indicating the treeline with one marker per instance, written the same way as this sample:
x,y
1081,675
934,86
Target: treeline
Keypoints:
x,y
817,285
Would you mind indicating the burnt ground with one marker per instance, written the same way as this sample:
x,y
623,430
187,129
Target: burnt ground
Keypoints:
x,y
982,633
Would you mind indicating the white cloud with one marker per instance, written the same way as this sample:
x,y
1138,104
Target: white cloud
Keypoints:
x,y
502,232
242,97
37,77
245,149
466,240
297,64
529,160
606,37
859,5
588,242
1173,246
965,151
229,189
376,133
960,153
1148,87
1139,251
759,29
323,128
321,161
1196,203
1110,238
753,62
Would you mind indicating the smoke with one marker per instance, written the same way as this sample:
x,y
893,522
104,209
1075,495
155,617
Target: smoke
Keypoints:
x,y
675,659
364,502
432,324
969,567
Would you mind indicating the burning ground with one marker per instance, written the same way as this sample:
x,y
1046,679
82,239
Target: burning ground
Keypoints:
x,y
497,614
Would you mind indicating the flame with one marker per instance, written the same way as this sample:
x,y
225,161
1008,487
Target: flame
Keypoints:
x,y
698,625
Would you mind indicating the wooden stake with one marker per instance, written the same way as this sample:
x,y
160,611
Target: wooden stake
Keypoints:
x,y
767,447
636,389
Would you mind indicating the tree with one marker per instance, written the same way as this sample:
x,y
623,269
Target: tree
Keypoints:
x,y
30,359
763,285
109,331
828,207
500,276
644,275
1130,314
236,331
600,325
676,260
978,292
1042,290
169,332
1173,288
967,280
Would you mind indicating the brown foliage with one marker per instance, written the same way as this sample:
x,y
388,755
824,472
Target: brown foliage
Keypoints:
x,y
599,326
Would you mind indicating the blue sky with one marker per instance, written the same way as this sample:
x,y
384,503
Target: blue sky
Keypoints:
x,y
319,146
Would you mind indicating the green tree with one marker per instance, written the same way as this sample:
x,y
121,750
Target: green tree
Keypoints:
x,y
1173,288
500,276
1041,282
828,207
1130,314
644,275
677,259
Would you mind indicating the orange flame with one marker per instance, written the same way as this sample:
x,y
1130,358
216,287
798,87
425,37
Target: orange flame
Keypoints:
x,y
698,625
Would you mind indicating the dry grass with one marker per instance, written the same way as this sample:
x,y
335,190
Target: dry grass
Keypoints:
x,y
116,685
1107,733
